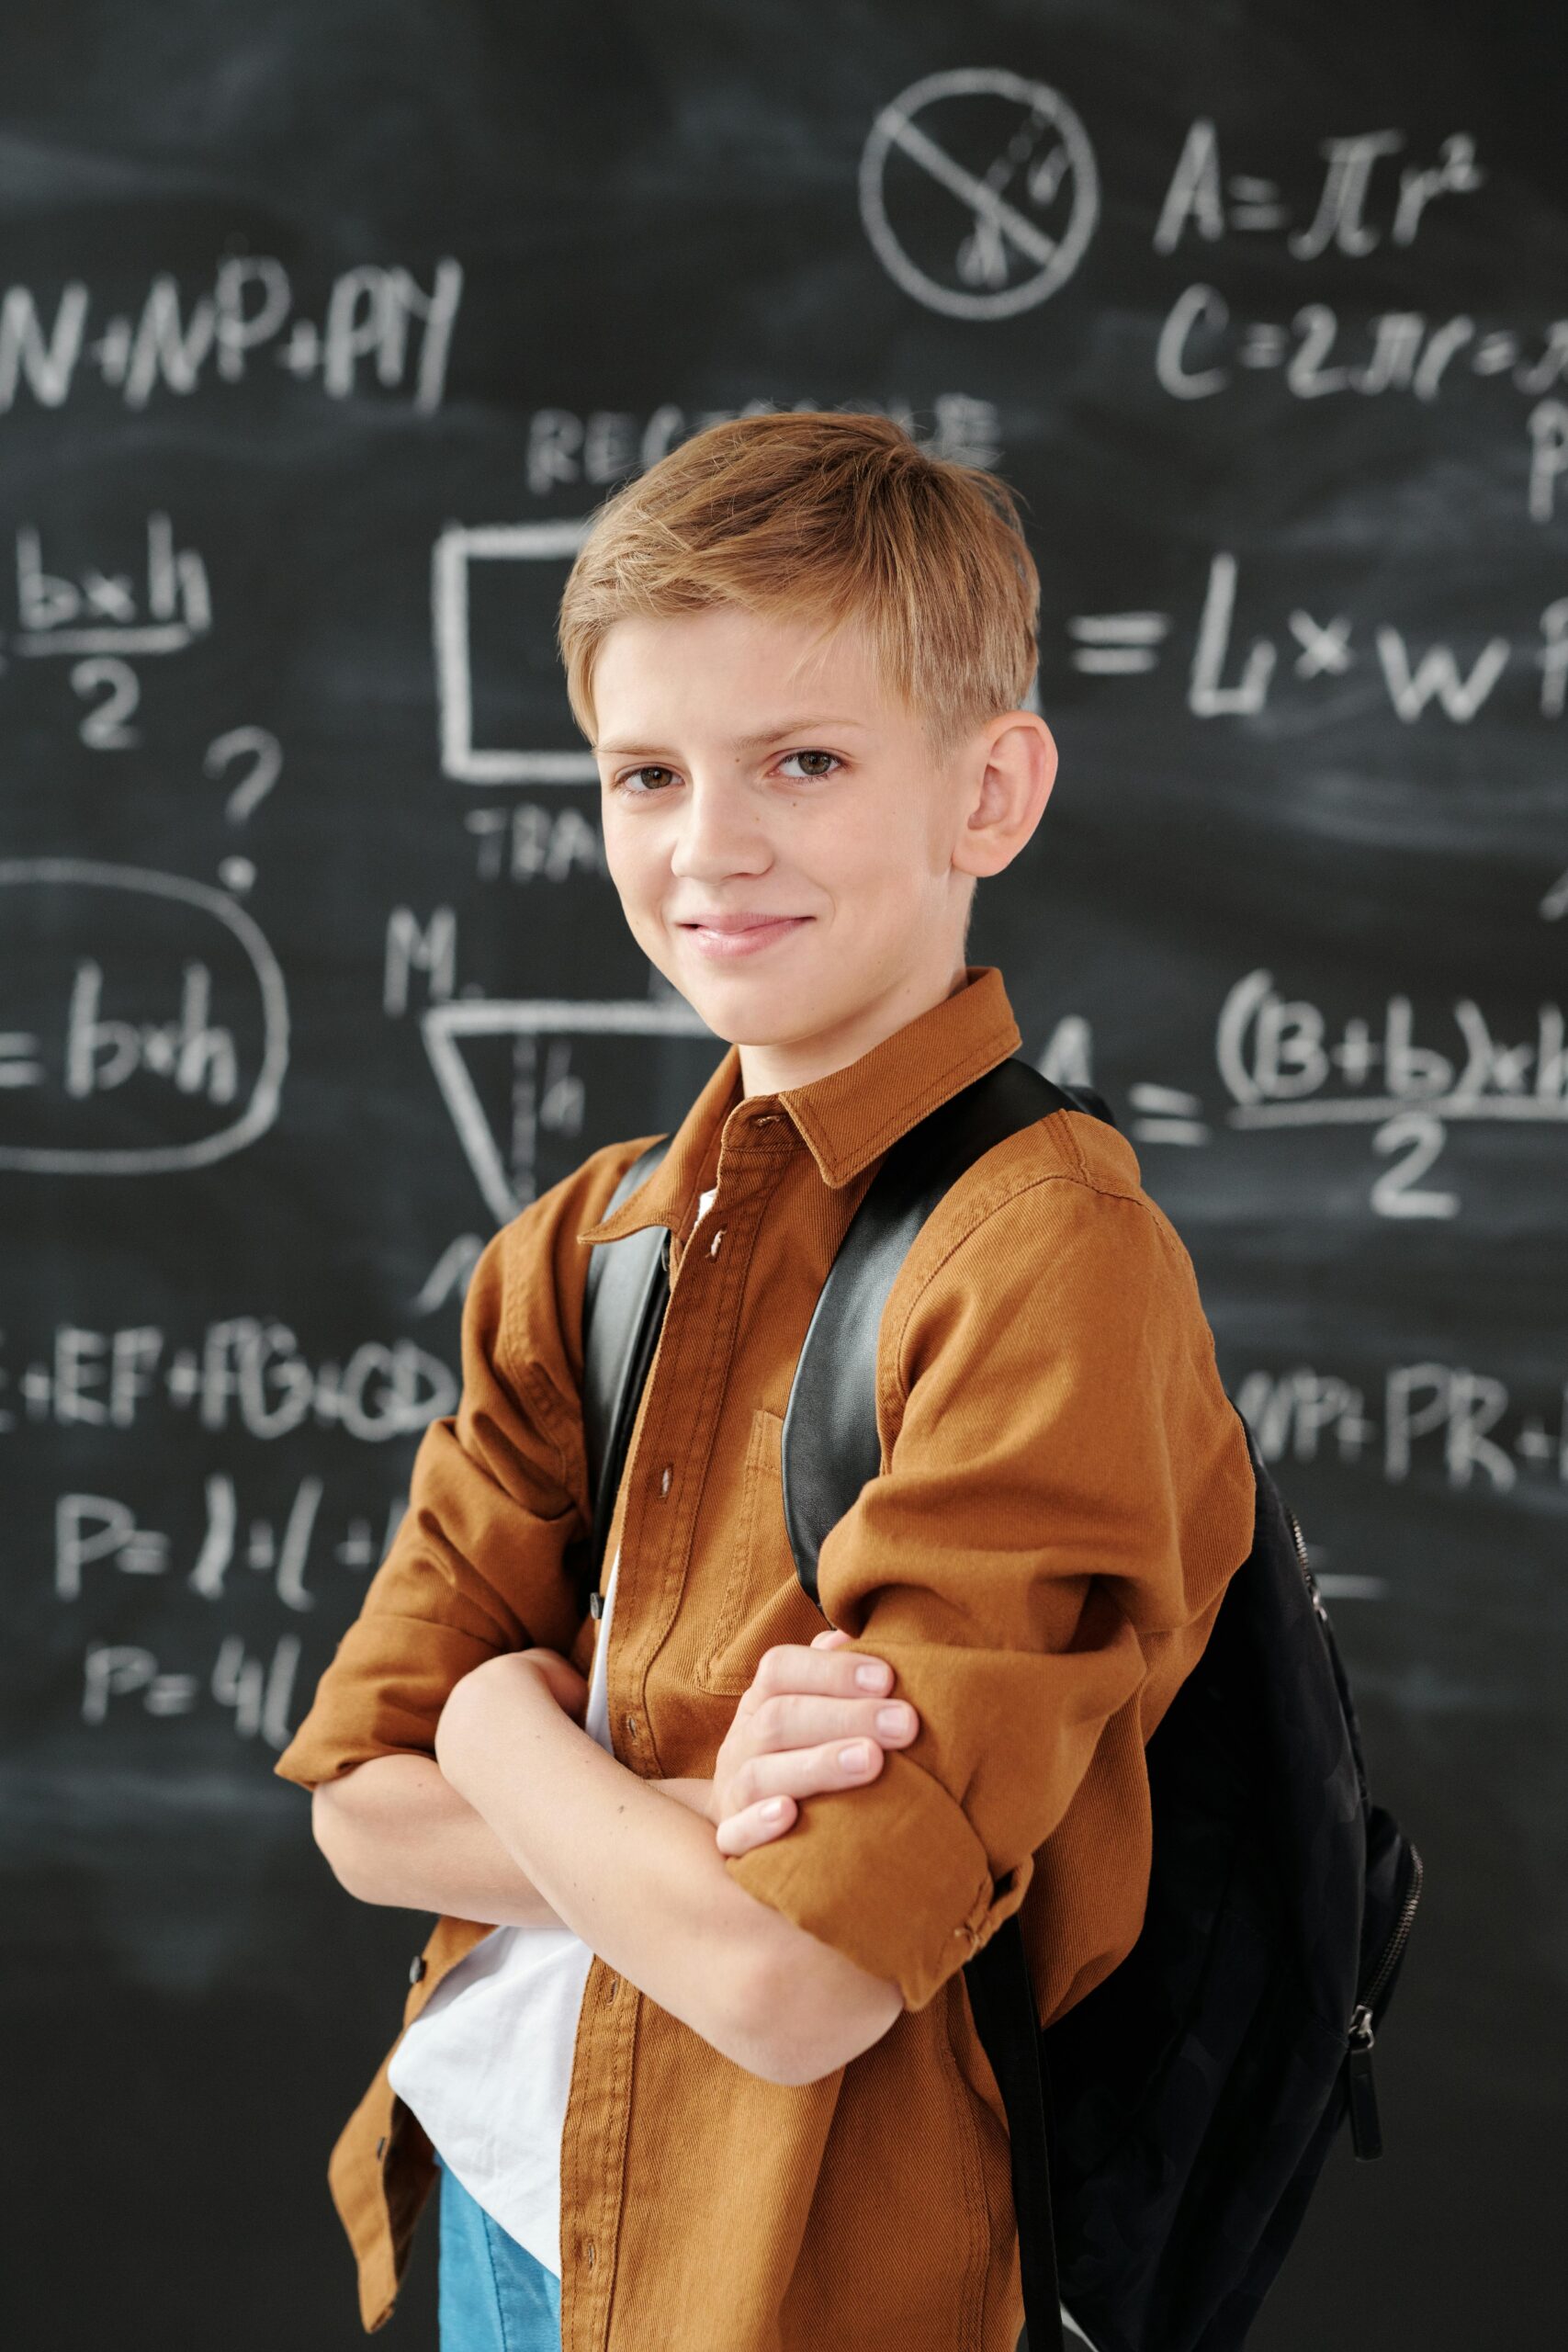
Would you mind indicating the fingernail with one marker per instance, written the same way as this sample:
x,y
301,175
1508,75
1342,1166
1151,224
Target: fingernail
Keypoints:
x,y
892,1718
855,1758
872,1676
772,1809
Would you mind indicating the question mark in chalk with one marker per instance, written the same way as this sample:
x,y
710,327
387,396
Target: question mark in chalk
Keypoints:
x,y
259,745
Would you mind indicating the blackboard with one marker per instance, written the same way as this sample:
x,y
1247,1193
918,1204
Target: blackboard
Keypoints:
x,y
322,332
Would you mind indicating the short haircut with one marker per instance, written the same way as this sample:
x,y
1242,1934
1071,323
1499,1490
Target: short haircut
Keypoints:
x,y
829,515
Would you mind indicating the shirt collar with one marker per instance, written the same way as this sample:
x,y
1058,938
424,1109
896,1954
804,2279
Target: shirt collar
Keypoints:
x,y
848,1118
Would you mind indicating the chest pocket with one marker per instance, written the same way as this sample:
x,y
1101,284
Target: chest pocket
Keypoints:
x,y
763,1601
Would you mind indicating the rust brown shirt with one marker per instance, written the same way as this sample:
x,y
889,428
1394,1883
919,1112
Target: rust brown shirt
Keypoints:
x,y
1065,1491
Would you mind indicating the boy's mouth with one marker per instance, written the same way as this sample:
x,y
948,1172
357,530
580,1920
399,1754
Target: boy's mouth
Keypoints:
x,y
728,936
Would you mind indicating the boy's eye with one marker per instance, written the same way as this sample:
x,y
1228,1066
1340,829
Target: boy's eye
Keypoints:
x,y
833,756
633,779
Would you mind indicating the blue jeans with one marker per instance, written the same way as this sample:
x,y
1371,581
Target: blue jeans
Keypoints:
x,y
492,2295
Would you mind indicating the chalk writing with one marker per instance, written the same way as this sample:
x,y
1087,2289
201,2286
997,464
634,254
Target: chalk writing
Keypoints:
x,y
59,1076
1432,680
245,1372
1205,202
565,447
378,329
1459,1428
257,1692
101,1536
529,843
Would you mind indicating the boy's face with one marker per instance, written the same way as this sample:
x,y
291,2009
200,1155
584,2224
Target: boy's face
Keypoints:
x,y
789,851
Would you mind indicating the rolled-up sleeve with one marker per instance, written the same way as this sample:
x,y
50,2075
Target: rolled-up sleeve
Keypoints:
x,y
1063,1479
497,1493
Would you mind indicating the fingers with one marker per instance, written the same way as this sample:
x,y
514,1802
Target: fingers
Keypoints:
x,y
807,1771
754,1824
816,1667
794,1772
868,1673
812,1720
789,1722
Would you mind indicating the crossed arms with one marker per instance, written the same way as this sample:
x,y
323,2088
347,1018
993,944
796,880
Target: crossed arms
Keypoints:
x,y
522,1816
1066,1490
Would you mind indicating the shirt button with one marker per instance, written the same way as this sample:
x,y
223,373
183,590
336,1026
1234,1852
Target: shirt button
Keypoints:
x,y
588,2253
417,1967
381,2144
664,1477
713,1244
631,1725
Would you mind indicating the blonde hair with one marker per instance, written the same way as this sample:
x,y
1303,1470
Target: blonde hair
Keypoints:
x,y
829,515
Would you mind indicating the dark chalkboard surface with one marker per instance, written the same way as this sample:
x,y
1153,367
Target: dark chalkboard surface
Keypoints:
x,y
323,330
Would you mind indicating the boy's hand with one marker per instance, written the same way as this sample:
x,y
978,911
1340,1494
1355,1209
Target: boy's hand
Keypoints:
x,y
803,1706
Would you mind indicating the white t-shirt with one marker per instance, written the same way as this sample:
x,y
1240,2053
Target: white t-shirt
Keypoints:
x,y
487,2064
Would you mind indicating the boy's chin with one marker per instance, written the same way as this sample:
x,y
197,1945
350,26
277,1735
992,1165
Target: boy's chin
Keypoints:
x,y
742,1010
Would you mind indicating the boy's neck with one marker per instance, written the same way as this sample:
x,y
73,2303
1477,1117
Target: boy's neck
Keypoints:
x,y
771,1069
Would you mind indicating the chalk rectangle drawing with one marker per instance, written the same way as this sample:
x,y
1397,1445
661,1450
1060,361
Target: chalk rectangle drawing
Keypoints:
x,y
456,548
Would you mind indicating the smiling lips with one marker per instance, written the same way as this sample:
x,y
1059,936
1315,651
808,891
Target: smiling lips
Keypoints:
x,y
728,936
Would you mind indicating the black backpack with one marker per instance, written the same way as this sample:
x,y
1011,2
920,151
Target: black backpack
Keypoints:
x,y
1166,2130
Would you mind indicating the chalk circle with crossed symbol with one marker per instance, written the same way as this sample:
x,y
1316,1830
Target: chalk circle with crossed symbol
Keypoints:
x,y
1019,165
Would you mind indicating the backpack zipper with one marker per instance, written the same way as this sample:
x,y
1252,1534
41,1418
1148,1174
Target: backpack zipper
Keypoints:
x,y
1366,2133
1311,1581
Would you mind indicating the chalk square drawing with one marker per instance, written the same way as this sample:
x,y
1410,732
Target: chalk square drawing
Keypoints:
x,y
448,1027
455,552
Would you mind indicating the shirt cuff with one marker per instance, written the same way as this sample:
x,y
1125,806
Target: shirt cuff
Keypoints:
x,y
891,1875
381,1695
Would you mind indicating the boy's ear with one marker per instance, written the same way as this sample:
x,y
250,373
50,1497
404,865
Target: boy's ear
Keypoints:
x,y
1017,768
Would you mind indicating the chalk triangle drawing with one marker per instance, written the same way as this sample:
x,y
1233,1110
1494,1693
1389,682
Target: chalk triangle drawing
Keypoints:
x,y
454,1032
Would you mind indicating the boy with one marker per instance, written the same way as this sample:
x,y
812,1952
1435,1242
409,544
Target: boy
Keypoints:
x,y
800,647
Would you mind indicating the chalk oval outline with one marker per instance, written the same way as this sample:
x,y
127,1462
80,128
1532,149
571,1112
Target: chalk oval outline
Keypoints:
x,y
267,1095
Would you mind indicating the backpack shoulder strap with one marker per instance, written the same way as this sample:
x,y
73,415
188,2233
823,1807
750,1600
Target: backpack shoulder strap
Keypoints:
x,y
830,1448
625,1294
830,1445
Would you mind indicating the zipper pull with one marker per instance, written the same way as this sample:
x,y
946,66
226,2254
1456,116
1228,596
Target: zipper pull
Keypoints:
x,y
1366,2131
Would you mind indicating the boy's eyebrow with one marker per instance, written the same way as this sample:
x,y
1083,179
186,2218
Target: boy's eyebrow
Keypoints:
x,y
752,742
